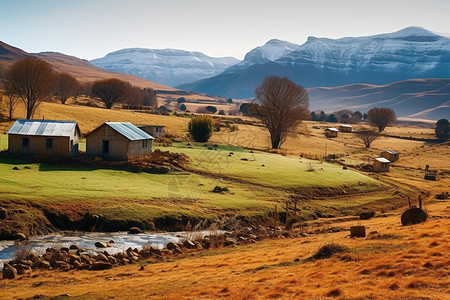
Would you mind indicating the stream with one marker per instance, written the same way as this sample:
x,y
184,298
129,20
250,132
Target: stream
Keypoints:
x,y
122,241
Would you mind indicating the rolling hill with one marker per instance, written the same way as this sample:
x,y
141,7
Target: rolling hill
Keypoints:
x,y
417,98
81,69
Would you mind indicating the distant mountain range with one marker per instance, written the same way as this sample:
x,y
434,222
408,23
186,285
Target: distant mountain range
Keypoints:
x,y
410,53
166,66
79,68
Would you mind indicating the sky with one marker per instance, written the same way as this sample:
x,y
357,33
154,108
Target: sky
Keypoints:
x,y
91,29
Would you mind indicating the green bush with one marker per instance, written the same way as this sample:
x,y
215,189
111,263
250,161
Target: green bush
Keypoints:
x,y
201,128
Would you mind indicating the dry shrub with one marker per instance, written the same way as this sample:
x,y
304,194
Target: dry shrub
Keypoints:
x,y
328,250
22,252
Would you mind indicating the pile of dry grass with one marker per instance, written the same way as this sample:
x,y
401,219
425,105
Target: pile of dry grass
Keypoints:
x,y
328,250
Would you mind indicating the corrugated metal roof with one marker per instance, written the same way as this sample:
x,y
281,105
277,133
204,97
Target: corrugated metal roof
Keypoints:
x,y
345,125
332,129
43,127
129,131
382,160
391,152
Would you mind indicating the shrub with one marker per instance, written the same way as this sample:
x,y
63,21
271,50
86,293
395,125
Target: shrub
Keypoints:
x,y
201,128
182,107
181,100
211,109
442,129
221,112
328,250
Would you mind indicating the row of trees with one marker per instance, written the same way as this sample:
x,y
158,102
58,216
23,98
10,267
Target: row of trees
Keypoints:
x,y
33,80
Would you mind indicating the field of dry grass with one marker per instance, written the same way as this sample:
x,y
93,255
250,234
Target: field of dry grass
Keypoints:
x,y
392,262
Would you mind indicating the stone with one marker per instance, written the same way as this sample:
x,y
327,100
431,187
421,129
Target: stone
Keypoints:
x,y
189,245
34,257
42,264
134,230
22,269
74,247
101,257
9,272
101,245
20,236
3,213
99,265
62,265
112,260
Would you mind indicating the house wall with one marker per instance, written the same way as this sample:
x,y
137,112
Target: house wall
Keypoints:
x,y
136,149
118,144
120,148
380,167
154,131
345,129
389,156
331,133
37,145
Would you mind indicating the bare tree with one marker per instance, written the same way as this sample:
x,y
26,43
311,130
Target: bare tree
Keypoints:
x,y
110,90
11,99
150,98
66,86
281,105
381,117
367,135
32,80
135,96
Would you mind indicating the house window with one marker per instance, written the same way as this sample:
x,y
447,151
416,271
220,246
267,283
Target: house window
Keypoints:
x,y
144,143
25,142
49,144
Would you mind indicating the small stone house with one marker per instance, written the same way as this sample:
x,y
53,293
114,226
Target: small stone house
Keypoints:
x,y
331,132
391,155
118,141
381,164
345,128
153,130
44,137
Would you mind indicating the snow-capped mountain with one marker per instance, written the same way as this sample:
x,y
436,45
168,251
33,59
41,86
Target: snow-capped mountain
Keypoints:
x,y
270,51
166,66
380,59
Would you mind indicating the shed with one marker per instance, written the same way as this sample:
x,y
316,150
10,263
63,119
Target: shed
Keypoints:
x,y
153,130
118,141
331,132
44,137
381,164
391,155
345,128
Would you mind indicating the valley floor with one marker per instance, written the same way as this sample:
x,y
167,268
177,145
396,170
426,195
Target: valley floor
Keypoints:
x,y
392,262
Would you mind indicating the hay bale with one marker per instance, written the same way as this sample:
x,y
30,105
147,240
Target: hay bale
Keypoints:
x,y
413,216
358,231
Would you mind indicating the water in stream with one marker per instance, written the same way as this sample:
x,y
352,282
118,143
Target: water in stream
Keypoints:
x,y
122,241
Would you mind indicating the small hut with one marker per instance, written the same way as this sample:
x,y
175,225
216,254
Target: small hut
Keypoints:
x,y
153,130
118,141
44,137
381,164
391,155
331,132
345,128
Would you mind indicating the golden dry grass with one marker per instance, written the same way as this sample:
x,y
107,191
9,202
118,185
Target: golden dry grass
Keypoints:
x,y
393,262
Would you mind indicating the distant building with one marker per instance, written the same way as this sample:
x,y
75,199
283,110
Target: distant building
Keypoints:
x,y
331,132
391,155
44,137
118,141
153,130
381,164
345,128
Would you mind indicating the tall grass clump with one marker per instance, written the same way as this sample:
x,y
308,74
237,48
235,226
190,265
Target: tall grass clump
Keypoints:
x,y
201,128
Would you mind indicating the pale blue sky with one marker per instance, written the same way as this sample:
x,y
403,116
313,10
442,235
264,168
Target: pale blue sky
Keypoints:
x,y
92,28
